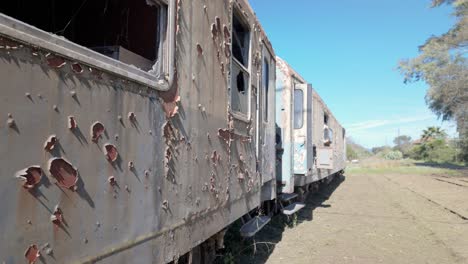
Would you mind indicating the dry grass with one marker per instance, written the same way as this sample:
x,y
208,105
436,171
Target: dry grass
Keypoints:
x,y
375,165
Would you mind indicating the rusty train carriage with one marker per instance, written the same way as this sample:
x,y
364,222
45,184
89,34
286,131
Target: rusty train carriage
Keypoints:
x,y
124,143
310,139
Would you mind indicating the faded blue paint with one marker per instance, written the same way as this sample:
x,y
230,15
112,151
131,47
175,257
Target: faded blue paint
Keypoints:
x,y
300,157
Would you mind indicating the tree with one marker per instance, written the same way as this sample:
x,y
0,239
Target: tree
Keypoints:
x,y
433,133
402,144
443,65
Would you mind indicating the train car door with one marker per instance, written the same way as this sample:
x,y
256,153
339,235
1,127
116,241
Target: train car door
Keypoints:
x,y
266,126
302,124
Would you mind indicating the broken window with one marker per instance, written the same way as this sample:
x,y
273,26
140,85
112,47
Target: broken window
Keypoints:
x,y
131,31
327,136
240,78
325,118
266,87
298,108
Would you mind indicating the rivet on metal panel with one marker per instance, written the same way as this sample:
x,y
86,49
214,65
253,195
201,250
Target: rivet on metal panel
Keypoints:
x,y
30,176
205,8
55,107
97,129
50,143
28,95
73,93
64,172
32,253
150,132
29,222
131,165
72,124
110,151
57,216
147,173
120,119
116,136
127,188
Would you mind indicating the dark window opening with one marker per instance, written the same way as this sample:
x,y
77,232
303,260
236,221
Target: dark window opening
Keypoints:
x,y
240,75
298,108
240,83
241,40
266,86
127,30
325,118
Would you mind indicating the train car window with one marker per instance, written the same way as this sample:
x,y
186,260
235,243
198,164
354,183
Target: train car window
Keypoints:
x,y
327,136
298,108
241,40
240,74
266,87
131,31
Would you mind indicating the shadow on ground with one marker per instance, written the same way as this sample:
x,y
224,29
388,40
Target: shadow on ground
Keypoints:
x,y
259,249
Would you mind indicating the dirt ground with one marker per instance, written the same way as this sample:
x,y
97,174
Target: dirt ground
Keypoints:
x,y
373,218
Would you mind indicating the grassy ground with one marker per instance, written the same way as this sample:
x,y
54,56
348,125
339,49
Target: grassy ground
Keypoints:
x,y
379,166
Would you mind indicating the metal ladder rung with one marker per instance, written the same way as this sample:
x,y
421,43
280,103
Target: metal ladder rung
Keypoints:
x,y
292,208
287,196
254,225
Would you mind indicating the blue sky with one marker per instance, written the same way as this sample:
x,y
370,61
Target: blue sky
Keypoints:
x,y
349,51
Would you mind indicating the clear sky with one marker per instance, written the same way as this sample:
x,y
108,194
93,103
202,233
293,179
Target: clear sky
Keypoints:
x,y
349,51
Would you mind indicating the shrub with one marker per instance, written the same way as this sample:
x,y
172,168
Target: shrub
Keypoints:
x,y
393,155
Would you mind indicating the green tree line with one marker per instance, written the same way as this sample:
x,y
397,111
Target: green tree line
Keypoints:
x,y
442,64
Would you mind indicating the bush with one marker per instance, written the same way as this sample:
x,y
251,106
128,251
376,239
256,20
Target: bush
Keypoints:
x,y
436,150
393,155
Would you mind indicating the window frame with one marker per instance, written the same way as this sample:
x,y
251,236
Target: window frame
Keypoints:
x,y
239,115
30,35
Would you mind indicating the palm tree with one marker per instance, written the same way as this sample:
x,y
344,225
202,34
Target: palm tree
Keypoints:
x,y
433,133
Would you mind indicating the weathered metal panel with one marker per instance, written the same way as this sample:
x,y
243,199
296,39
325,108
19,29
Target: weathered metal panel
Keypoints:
x,y
284,118
186,149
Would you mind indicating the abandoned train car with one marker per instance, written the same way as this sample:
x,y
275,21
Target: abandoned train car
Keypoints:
x,y
137,131
132,127
310,141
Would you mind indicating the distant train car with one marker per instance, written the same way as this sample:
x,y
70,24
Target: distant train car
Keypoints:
x,y
310,141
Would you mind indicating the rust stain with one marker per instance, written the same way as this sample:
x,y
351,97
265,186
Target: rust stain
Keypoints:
x,y
32,254
50,143
110,151
57,216
64,172
72,124
55,61
76,67
30,176
97,129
